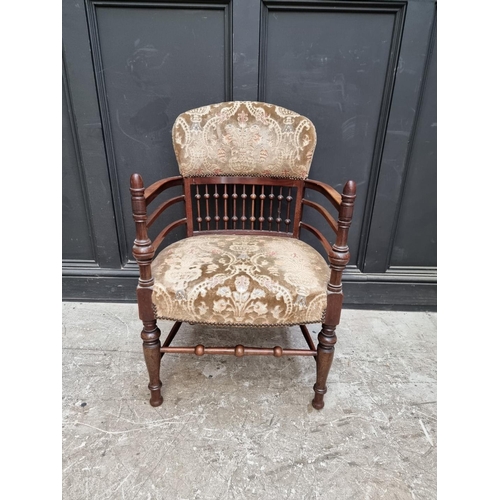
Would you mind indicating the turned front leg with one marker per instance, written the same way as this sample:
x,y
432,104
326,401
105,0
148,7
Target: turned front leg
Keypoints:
x,y
151,346
326,349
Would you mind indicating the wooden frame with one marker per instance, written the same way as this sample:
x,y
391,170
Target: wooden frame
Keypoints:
x,y
230,208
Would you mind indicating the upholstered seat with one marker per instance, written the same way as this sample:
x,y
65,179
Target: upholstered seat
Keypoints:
x,y
240,280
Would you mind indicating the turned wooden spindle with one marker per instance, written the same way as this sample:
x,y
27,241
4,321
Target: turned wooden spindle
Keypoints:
x,y
143,252
339,257
262,197
288,208
217,217
278,215
207,207
198,198
234,218
239,351
225,196
270,219
252,215
243,216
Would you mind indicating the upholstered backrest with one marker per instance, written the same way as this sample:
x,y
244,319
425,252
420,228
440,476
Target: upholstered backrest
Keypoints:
x,y
243,138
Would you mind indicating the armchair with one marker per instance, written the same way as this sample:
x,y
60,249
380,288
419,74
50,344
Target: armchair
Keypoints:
x,y
243,168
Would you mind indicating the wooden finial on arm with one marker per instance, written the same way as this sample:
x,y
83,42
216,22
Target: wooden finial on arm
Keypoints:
x,y
142,250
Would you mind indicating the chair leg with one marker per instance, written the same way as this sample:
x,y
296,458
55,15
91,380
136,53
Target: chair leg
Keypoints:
x,y
326,348
151,346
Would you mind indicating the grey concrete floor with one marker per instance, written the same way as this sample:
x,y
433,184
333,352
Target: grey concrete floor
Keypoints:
x,y
238,428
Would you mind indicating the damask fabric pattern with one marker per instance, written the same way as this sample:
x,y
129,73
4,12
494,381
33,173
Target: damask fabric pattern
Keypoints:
x,y
244,138
240,280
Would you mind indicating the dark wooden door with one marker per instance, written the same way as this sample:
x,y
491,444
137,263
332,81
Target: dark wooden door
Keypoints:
x,y
363,72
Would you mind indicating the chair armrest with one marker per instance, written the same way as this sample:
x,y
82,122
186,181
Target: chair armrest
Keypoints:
x,y
344,203
151,192
333,196
143,249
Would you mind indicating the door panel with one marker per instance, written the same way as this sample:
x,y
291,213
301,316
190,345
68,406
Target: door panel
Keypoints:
x,y
332,67
415,242
152,64
77,242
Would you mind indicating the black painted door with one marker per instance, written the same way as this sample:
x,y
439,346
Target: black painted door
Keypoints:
x,y
363,72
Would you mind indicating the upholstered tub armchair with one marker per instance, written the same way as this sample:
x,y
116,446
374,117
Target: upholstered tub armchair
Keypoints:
x,y
244,171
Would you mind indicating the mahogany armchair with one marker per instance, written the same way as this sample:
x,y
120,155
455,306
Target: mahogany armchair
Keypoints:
x,y
244,168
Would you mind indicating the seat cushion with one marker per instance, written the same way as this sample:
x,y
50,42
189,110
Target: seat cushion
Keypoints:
x,y
240,280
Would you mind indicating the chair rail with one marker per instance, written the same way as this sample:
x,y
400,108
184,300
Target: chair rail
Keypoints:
x,y
151,192
333,196
162,208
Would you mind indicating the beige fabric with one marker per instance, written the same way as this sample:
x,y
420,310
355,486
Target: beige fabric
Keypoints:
x,y
244,138
240,280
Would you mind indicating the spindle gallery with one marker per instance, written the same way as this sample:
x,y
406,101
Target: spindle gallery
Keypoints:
x,y
244,174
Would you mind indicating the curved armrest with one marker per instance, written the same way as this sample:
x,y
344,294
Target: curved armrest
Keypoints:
x,y
143,250
344,203
333,196
151,192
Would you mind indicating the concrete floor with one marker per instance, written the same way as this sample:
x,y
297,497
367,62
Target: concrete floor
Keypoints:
x,y
238,428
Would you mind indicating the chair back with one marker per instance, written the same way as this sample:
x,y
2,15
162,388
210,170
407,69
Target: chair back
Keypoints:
x,y
243,138
244,165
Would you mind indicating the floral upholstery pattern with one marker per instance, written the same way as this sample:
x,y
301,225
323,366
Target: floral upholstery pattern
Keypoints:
x,y
240,280
244,138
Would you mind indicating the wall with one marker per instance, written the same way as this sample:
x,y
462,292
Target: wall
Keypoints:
x,y
363,72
